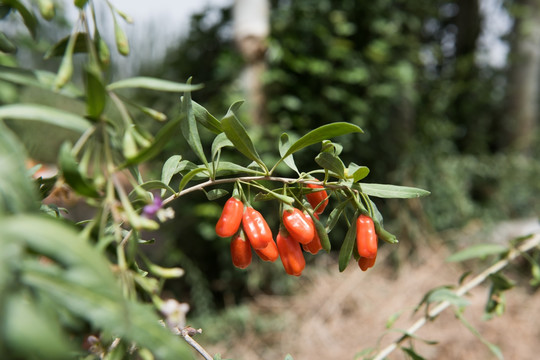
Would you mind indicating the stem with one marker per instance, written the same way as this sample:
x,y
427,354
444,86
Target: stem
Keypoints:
x,y
529,244
195,345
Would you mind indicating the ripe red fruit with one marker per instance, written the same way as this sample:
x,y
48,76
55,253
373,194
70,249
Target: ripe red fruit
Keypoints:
x,y
316,198
366,238
366,263
314,246
257,230
297,225
240,251
291,254
230,219
269,253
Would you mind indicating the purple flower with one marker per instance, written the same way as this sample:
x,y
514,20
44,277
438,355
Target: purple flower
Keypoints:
x,y
150,210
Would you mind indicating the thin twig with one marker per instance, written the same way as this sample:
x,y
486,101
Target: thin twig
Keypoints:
x,y
529,244
185,334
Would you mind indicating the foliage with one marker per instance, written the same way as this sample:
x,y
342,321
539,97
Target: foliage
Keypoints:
x,y
87,281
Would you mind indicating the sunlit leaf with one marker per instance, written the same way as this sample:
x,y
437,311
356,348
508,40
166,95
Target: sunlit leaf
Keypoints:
x,y
206,119
332,163
238,135
357,172
152,84
170,168
477,251
189,176
284,146
45,114
445,294
220,141
390,191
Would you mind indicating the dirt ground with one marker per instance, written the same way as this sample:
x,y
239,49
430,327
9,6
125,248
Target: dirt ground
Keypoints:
x,y
337,315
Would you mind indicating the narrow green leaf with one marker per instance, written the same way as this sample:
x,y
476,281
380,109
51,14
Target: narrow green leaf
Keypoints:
x,y
72,175
189,127
45,114
238,135
37,78
122,43
390,191
322,133
152,84
169,168
332,163
232,168
323,235
28,17
220,141
477,251
162,138
153,185
334,216
96,94
7,45
411,353
284,146
215,194
346,250
206,119
357,172
492,347
59,49
445,294
189,176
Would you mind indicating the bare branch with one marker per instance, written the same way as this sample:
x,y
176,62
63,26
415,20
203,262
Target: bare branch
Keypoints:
x,y
529,244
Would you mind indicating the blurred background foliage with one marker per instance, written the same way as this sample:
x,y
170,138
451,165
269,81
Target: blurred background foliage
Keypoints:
x,y
412,74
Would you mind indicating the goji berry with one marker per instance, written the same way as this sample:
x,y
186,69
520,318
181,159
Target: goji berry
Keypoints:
x,y
314,246
269,253
240,251
230,219
256,228
366,263
366,237
318,198
297,225
290,253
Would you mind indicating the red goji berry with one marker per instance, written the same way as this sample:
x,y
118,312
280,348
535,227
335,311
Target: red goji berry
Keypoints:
x,y
297,225
256,228
316,198
366,263
366,237
240,251
291,254
314,246
269,253
230,219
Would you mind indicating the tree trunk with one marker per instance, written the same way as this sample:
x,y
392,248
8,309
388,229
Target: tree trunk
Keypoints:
x,y
519,123
251,28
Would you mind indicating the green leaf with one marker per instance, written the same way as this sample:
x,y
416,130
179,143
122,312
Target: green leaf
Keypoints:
x,y
334,216
96,94
215,194
445,294
357,172
321,231
390,191
346,250
284,146
189,127
152,84
153,185
477,251
322,133
72,175
59,49
7,45
493,348
162,138
28,17
45,114
332,163
169,168
37,78
219,143
229,167
238,135
190,175
413,355
206,119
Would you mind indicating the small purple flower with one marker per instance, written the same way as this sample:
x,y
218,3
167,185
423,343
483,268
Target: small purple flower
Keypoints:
x,y
149,211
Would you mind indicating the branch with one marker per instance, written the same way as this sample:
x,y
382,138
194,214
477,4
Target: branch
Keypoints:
x,y
529,244
186,332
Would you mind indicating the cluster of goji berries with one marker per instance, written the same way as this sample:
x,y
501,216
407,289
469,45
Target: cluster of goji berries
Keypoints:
x,y
299,230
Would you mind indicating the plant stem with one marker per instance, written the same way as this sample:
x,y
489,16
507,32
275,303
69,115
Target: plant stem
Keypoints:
x,y
529,244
